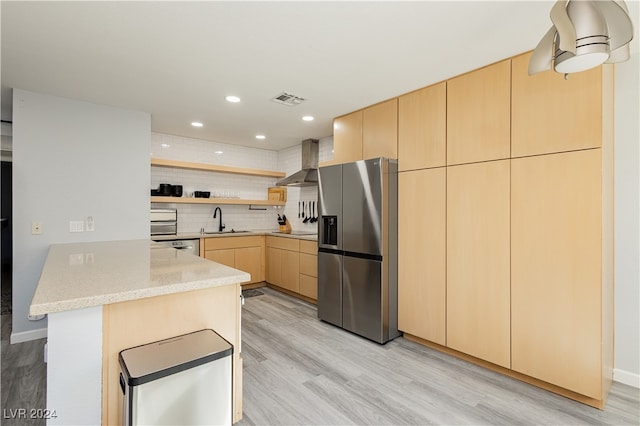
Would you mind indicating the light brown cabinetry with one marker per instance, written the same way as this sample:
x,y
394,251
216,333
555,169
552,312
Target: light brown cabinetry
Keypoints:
x,y
478,246
551,114
368,133
292,265
243,253
283,262
422,128
309,269
557,271
478,115
380,130
137,322
421,254
347,138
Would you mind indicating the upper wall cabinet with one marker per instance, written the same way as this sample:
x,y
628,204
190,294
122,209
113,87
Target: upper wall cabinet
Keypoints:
x,y
347,138
551,114
368,133
422,128
380,130
478,115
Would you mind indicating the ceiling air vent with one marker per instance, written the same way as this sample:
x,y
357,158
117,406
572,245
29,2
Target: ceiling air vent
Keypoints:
x,y
288,99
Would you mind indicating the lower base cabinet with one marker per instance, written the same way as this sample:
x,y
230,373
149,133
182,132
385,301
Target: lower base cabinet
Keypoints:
x,y
309,269
292,265
243,253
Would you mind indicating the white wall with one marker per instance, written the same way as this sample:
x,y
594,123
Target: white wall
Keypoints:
x,y
290,161
627,227
192,217
72,160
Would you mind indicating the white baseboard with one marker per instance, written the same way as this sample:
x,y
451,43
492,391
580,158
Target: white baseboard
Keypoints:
x,y
26,336
627,378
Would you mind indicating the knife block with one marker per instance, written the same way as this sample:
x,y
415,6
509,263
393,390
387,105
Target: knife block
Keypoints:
x,y
286,228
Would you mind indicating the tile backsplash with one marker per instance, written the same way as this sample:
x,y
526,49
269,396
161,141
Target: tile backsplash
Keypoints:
x,y
193,217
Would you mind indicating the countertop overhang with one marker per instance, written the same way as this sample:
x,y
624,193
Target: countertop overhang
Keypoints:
x,y
82,275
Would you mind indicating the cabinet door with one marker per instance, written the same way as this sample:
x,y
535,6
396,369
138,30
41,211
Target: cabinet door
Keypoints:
x,y
380,130
421,254
347,138
250,259
291,270
225,256
478,255
309,286
551,114
479,115
274,266
556,269
422,128
309,264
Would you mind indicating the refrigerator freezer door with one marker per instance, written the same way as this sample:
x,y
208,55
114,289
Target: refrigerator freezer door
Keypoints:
x,y
330,288
362,203
362,295
330,207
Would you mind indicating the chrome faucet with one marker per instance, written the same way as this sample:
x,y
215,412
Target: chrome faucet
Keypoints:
x,y
220,225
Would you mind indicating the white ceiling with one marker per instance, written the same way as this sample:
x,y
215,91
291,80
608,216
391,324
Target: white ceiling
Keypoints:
x,y
178,60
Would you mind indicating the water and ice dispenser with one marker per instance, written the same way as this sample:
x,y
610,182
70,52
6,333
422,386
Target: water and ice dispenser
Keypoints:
x,y
329,230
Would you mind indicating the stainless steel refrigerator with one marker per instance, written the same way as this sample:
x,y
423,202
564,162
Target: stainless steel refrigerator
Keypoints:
x,y
358,247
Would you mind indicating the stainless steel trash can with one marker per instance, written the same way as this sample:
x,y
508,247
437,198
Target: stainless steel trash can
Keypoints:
x,y
185,380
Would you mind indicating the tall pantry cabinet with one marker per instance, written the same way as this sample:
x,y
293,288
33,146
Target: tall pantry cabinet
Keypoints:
x,y
506,223
562,229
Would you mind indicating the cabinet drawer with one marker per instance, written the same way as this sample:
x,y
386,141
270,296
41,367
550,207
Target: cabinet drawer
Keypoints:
x,y
309,247
225,257
283,243
232,242
309,264
309,286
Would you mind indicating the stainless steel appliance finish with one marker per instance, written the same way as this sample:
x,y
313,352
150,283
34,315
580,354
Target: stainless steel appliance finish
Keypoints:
x,y
308,175
164,221
184,380
189,246
358,247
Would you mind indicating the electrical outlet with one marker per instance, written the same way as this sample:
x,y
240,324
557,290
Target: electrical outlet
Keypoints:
x,y
89,225
76,226
36,228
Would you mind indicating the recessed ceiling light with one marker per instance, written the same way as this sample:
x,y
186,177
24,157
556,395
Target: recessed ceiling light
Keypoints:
x,y
165,145
196,124
307,118
261,137
233,99
218,153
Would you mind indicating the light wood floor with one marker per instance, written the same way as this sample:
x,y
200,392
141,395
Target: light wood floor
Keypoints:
x,y
24,378
298,370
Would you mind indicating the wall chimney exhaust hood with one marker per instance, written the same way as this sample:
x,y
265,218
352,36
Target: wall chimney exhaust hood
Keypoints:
x,y
308,176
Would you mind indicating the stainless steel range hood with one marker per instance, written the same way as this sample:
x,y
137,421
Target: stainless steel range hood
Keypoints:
x,y
308,176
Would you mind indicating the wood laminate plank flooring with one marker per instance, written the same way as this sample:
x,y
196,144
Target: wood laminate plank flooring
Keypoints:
x,y
24,379
299,370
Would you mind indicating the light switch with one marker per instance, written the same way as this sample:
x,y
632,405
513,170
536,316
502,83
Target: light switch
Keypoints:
x,y
76,226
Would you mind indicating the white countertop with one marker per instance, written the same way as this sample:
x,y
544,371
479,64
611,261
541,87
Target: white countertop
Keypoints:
x,y
82,275
194,235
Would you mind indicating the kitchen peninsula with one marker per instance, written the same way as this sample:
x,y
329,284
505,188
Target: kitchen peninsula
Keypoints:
x,y
103,297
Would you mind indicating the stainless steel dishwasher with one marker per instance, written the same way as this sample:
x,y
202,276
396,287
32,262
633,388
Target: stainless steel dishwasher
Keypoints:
x,y
191,246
